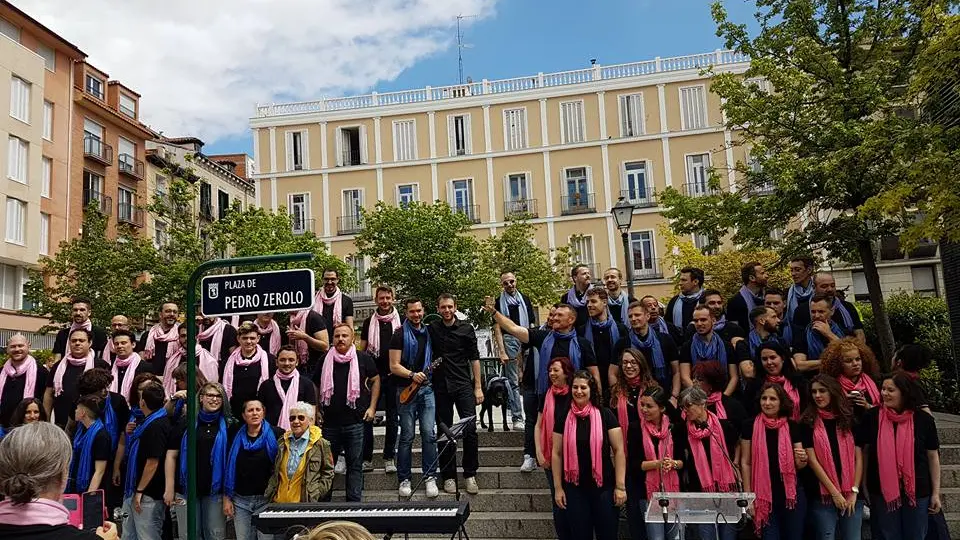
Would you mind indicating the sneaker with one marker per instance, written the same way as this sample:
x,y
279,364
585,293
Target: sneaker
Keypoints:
x,y
432,491
529,464
405,489
341,466
389,466
450,485
471,483
367,466
518,424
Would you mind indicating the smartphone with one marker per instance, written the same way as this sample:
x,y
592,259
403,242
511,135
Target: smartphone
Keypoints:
x,y
73,505
93,510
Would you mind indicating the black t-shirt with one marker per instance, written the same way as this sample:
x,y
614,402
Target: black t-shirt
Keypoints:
x,y
45,532
273,402
735,355
800,340
457,344
229,340
338,412
396,344
66,402
246,381
637,453
13,393
604,350
736,413
386,332
159,359
315,323
801,317
925,437
561,348
121,412
584,457
773,458
153,445
253,468
670,354
206,437
806,438
100,450
63,336
513,311
561,405
142,367
617,312
582,314
346,310
689,479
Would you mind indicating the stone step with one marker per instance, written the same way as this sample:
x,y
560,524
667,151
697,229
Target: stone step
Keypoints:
x,y
950,476
950,454
487,478
492,456
487,438
950,497
494,500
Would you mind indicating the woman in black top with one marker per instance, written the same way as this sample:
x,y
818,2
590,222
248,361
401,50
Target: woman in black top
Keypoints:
x,y
774,365
589,484
250,459
711,377
903,462
554,404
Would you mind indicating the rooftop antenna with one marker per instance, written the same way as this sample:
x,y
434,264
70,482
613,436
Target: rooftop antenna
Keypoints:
x,y
460,44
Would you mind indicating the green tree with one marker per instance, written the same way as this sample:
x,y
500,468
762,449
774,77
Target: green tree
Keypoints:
x,y
825,139
108,271
515,250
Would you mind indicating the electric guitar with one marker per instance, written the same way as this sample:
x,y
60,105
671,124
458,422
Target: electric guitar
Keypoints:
x,y
410,392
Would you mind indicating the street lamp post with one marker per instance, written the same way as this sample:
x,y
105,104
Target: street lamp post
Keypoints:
x,y
623,217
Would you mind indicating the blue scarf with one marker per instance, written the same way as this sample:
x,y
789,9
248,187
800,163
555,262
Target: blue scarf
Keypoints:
x,y
134,446
755,342
751,300
610,325
786,333
507,300
795,295
83,455
546,350
217,456
661,326
838,307
266,439
683,300
650,346
721,324
178,408
410,347
572,299
705,352
815,344
623,304
110,422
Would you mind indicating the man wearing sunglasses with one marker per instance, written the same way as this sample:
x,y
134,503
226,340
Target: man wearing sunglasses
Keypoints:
x,y
303,471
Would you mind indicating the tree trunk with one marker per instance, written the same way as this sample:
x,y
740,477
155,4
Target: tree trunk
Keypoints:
x,y
881,322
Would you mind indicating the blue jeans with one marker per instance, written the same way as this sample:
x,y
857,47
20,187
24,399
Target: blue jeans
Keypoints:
x,y
212,522
349,439
905,523
424,408
828,524
594,511
244,508
787,524
717,532
148,523
560,523
637,503
512,372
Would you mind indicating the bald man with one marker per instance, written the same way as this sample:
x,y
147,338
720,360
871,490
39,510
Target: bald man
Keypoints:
x,y
19,368
119,323
845,314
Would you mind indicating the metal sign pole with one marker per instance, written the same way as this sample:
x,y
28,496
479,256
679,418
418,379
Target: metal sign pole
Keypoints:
x,y
191,494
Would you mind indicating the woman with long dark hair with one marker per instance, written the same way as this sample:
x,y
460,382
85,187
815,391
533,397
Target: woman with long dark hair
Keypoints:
x,y
771,456
855,367
250,460
589,483
28,411
554,404
775,366
903,461
827,431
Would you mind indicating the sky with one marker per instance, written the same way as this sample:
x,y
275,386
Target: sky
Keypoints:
x,y
202,66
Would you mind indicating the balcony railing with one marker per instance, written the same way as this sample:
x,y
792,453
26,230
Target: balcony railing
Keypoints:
x,y
94,200
472,211
362,292
129,213
520,207
643,198
646,267
577,203
97,150
302,226
352,224
130,166
592,74
206,210
890,249
699,189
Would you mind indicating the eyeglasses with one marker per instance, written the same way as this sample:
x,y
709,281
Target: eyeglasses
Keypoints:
x,y
300,417
213,396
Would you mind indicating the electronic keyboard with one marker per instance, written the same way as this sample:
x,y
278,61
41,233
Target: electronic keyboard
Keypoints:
x,y
389,518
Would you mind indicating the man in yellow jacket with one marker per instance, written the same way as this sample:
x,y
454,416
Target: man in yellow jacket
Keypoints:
x,y
303,471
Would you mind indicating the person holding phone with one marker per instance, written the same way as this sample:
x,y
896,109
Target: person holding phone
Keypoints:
x,y
855,367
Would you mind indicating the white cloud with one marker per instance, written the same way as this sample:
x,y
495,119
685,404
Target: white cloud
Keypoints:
x,y
202,65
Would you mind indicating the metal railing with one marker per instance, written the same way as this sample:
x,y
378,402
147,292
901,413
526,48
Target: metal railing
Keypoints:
x,y
94,148
472,211
520,207
646,267
95,200
503,86
302,226
351,224
699,189
362,292
592,266
129,213
643,198
130,166
577,203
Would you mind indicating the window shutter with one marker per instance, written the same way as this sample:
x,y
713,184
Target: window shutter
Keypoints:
x,y
590,185
338,143
13,152
305,149
288,146
468,133
624,116
451,135
363,145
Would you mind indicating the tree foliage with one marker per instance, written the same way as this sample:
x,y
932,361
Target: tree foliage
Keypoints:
x,y
515,250
184,248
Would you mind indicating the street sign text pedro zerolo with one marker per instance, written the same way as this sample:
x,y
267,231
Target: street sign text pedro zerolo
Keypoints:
x,y
256,292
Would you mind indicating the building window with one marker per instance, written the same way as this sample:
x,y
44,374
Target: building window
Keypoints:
x,y
404,140
159,234
693,107
10,30
697,180
126,155
581,252
16,220
128,106
92,187
576,191
350,221
299,208
636,185
461,195
49,57
407,193
95,86
11,287
223,204
44,233
17,158
351,146
701,241
92,130
518,187
296,150
358,267
161,189
860,291
458,128
777,234
206,200
515,129
20,99
924,281
46,177
48,120
571,122
125,198
644,255
631,115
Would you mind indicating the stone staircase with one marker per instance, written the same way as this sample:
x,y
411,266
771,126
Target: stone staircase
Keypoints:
x,y
517,505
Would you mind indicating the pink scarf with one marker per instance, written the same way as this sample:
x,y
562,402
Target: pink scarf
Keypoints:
x,y
623,410
373,333
237,359
86,325
760,465
108,351
298,321
29,367
548,415
671,479
38,512
715,474
208,364
214,333
864,385
326,376
289,397
274,332
87,362
790,390
571,462
129,363
895,457
336,300
821,447
716,399
157,334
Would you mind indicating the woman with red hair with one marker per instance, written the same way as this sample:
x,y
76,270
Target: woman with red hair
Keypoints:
x,y
855,367
553,405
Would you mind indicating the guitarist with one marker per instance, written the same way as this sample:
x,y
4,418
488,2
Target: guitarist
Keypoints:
x,y
457,383
411,354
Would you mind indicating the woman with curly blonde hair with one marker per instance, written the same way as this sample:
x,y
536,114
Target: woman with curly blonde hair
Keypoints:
x,y
855,367
339,530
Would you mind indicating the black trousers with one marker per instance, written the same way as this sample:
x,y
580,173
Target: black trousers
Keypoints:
x,y
466,403
390,403
531,413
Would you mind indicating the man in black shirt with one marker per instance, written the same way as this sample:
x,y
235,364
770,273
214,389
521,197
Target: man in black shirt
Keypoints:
x,y
520,310
680,307
160,342
754,278
307,332
663,352
19,368
576,296
217,336
706,344
330,302
606,336
658,322
845,314
147,447
61,395
375,334
810,341
81,311
119,323
617,299
456,382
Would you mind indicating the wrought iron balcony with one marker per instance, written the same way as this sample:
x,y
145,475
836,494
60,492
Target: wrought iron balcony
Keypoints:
x,y
520,207
351,224
699,189
472,211
129,213
646,267
302,226
577,203
130,166
642,198
96,201
97,150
